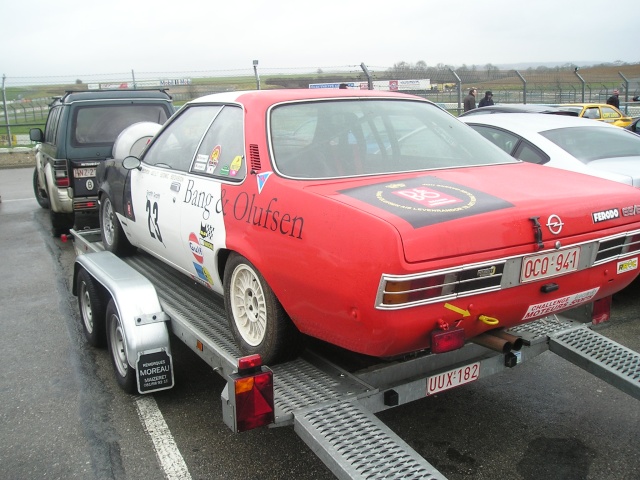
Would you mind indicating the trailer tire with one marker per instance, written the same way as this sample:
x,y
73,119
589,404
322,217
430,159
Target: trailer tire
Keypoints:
x,y
257,320
41,194
113,237
92,310
125,375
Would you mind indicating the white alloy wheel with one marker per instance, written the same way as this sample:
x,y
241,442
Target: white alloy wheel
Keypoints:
x,y
108,226
248,305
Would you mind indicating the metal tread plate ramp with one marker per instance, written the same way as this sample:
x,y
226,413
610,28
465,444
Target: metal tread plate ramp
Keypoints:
x,y
355,444
600,356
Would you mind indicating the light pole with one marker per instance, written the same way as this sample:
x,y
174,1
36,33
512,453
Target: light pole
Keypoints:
x,y
255,70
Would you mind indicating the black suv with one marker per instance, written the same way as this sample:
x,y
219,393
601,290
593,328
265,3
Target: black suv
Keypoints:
x,y
80,131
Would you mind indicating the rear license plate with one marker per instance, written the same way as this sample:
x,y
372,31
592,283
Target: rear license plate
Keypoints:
x,y
535,267
453,378
84,172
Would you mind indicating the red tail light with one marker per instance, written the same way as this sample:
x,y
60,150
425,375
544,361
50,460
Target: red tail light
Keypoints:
x,y
447,340
253,387
62,182
601,310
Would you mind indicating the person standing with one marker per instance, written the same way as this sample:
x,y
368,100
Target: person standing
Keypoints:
x,y
487,100
614,100
469,102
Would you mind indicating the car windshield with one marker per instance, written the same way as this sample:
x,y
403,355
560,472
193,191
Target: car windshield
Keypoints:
x,y
342,138
592,143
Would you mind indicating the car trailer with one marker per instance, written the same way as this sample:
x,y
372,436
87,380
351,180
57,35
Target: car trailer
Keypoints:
x,y
330,408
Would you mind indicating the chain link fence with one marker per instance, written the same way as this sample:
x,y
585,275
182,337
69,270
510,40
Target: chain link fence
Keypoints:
x,y
26,100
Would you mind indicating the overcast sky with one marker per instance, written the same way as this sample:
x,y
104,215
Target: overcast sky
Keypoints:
x,y
42,38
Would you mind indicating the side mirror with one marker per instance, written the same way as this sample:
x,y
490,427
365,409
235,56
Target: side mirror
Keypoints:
x,y
131,162
36,135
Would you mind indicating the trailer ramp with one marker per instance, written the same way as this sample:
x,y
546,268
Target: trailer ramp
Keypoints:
x,y
355,444
576,342
600,356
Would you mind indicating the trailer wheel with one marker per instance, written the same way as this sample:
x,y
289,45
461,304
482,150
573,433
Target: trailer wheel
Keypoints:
x,y
256,318
91,309
41,194
113,236
125,375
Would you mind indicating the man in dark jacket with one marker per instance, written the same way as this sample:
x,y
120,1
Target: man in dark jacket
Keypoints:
x,y
613,100
469,102
487,100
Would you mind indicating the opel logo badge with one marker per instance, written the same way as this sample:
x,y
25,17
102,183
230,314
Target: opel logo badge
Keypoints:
x,y
554,224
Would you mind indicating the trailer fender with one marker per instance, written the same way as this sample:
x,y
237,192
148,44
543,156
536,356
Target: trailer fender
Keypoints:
x,y
135,297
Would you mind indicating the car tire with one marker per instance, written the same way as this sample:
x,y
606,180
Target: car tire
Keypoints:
x,y
257,319
125,375
41,194
61,223
113,237
91,307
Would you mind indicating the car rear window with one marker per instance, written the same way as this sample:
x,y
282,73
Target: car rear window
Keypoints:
x,y
100,125
594,143
341,138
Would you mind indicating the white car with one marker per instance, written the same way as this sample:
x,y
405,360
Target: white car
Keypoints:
x,y
576,144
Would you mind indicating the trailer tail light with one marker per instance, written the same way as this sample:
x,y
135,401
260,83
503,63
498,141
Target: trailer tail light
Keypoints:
x,y
447,340
250,404
601,310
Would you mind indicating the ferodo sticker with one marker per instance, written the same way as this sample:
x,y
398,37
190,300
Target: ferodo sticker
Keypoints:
x,y
605,215
545,308
628,265
427,200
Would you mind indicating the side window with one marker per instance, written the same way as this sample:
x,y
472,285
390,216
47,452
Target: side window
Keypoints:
x,y
176,147
51,128
221,153
593,112
529,153
608,113
505,140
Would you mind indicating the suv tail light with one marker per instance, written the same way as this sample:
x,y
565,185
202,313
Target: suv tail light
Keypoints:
x,y
61,176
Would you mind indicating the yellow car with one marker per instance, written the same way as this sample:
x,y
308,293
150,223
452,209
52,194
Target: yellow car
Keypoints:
x,y
599,111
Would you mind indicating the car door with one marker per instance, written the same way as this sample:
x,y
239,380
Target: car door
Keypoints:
x,y
157,187
219,165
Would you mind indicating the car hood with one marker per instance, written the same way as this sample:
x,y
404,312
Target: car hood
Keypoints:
x,y
448,213
628,168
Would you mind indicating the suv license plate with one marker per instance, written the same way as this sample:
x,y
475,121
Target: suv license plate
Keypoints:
x,y
84,172
453,378
535,267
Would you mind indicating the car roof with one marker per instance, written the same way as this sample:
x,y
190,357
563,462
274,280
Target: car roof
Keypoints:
x,y
283,95
534,121
520,108
116,94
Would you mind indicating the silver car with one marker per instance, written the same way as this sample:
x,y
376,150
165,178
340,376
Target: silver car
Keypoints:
x,y
576,144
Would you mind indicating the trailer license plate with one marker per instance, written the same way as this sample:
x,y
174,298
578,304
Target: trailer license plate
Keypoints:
x,y
453,378
84,172
535,267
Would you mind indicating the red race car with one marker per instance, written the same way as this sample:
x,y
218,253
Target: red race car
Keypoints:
x,y
371,220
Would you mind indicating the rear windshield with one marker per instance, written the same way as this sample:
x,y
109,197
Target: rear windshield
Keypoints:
x,y
593,143
341,138
100,125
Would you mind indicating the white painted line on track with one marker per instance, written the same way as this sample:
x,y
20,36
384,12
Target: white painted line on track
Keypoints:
x,y
169,456
9,200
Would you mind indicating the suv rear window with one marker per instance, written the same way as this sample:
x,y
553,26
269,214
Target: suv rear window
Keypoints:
x,y
100,125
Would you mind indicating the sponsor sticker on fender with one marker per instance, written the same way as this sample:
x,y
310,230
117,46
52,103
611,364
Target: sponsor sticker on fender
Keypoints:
x,y
545,308
605,215
628,265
